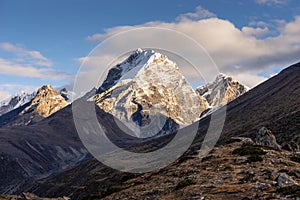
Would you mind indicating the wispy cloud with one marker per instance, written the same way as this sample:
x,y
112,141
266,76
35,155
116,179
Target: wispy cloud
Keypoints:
x,y
28,63
4,95
28,56
271,2
6,90
200,13
8,67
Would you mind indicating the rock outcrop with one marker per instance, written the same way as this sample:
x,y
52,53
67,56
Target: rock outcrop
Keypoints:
x,y
46,102
264,137
285,180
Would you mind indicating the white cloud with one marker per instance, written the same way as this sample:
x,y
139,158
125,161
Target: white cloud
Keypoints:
x,y
28,56
6,90
238,52
28,64
4,95
249,79
10,68
255,31
258,24
271,2
200,13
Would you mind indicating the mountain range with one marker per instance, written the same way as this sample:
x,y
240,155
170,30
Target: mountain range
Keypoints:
x,y
42,153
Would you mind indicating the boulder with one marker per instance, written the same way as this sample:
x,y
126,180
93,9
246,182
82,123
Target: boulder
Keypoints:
x,y
264,137
284,180
290,146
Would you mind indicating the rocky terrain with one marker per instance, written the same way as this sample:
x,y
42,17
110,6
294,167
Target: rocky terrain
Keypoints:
x,y
237,170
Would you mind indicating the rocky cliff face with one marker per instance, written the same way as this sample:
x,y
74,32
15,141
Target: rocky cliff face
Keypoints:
x,y
46,102
224,89
147,83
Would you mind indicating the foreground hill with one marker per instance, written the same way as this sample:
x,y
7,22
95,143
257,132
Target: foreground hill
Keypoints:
x,y
38,150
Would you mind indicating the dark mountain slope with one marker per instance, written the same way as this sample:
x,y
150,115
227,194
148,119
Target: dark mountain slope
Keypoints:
x,y
274,104
36,151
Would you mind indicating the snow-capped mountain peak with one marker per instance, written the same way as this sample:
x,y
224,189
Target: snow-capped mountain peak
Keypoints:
x,y
19,99
145,81
222,90
138,61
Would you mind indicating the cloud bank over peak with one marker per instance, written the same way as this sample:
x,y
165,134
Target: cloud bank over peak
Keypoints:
x,y
249,52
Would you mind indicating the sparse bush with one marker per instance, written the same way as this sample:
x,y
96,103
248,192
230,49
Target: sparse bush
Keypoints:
x,y
184,183
127,177
293,190
249,151
91,197
113,189
255,158
233,140
295,159
248,177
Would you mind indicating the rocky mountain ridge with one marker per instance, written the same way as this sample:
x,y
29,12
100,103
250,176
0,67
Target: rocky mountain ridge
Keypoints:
x,y
222,90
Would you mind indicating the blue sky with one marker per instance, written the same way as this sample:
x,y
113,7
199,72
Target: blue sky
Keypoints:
x,y
42,42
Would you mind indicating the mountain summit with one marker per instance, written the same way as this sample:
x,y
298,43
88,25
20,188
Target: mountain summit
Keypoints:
x,y
34,107
145,84
46,102
222,90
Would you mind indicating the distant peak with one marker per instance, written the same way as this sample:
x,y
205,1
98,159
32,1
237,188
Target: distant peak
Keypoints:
x,y
47,87
222,75
46,101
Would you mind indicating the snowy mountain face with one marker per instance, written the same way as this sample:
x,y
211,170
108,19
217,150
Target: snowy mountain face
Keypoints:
x,y
16,101
147,83
223,90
